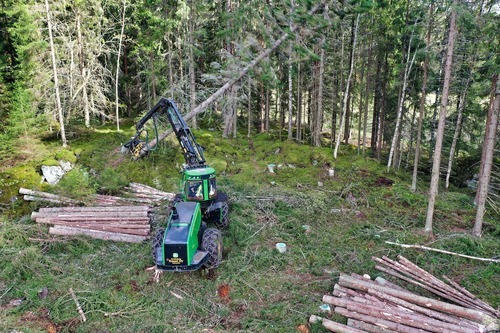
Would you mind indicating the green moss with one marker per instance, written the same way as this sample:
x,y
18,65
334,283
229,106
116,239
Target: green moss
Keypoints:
x,y
66,155
50,162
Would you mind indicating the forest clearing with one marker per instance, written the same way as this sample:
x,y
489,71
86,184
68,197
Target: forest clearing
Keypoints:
x,y
351,140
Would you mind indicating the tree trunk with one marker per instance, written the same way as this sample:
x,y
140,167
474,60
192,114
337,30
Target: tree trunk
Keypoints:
x,y
361,100
347,117
192,82
299,105
234,100
262,109
56,79
487,157
319,112
117,114
383,104
267,110
340,85
83,69
423,96
345,103
290,93
377,101
442,119
249,131
458,128
319,117
410,148
170,67
435,107
367,92
396,136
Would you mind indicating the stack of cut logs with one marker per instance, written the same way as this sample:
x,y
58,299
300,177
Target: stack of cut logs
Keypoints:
x,y
125,219
381,306
120,223
134,194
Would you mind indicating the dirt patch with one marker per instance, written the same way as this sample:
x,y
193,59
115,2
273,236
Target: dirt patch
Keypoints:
x,y
37,319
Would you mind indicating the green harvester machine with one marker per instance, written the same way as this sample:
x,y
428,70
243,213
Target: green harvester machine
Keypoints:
x,y
186,242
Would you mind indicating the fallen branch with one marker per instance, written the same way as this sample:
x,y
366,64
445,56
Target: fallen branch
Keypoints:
x,y
406,246
78,306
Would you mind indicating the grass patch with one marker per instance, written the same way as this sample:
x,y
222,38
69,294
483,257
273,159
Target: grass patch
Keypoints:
x,y
349,218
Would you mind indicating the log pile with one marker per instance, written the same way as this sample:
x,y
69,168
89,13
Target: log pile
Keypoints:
x,y
119,223
134,194
381,306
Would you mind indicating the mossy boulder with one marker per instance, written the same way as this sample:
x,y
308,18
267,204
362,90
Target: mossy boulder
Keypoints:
x,y
66,155
50,162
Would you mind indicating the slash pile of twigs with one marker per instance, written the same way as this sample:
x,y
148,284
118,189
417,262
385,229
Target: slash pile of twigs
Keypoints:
x,y
381,306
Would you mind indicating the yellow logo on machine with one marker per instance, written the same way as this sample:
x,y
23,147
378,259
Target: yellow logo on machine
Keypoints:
x,y
175,261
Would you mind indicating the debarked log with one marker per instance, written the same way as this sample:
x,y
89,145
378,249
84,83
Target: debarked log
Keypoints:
x,y
112,236
364,285
333,326
392,314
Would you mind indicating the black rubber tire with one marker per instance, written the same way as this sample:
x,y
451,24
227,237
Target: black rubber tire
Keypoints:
x,y
223,222
212,243
156,242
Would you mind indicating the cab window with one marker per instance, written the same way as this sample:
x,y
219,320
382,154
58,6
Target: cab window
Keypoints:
x,y
212,191
194,190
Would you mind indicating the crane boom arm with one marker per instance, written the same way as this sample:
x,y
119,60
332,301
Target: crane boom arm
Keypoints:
x,y
192,151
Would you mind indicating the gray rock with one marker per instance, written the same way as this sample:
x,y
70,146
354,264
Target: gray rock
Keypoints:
x,y
65,165
52,174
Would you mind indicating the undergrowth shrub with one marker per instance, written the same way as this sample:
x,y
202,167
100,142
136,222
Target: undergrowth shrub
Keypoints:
x,y
111,181
77,183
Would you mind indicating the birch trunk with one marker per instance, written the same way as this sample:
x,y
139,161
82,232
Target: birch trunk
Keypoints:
x,y
487,158
342,118
442,119
117,114
56,79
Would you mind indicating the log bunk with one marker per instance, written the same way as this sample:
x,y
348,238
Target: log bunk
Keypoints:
x,y
381,306
125,219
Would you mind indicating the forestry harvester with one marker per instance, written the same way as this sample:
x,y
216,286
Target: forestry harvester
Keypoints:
x,y
186,243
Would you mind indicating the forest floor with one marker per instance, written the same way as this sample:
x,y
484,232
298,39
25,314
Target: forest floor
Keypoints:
x,y
349,216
